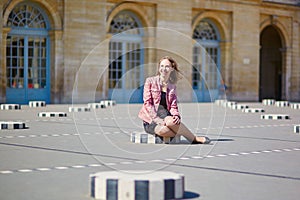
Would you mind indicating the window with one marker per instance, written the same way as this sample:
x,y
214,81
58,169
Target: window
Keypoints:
x,y
27,55
26,16
205,31
125,54
205,57
36,62
124,21
15,62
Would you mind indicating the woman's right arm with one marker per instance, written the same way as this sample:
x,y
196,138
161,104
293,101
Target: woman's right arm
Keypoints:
x,y
148,100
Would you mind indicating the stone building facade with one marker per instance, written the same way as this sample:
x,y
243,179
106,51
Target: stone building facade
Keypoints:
x,y
65,51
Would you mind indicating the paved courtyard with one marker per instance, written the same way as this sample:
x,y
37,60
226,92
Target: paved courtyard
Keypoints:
x,y
249,157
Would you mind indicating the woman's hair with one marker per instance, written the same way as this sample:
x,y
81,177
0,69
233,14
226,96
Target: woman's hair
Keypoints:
x,y
175,74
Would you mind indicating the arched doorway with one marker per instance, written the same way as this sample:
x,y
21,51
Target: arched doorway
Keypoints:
x,y
27,55
126,58
206,61
270,77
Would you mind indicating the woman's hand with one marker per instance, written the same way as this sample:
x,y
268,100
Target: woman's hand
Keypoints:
x,y
176,119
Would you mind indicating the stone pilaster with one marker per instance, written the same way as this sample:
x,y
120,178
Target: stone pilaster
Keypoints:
x,y
245,63
4,32
294,94
57,67
176,40
84,29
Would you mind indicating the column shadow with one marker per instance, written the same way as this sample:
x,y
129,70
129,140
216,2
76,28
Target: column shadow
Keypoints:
x,y
190,195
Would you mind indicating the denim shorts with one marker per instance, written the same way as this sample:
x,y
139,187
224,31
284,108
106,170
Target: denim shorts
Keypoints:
x,y
161,113
149,128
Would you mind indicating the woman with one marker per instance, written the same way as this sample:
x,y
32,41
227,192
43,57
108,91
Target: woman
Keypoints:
x,y
160,113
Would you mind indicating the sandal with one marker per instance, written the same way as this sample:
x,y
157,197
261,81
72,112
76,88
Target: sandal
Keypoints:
x,y
207,141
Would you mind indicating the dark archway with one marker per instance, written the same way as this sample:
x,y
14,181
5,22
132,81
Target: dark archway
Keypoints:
x,y
270,77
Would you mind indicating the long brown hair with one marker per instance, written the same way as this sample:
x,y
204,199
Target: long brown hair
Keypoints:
x,y
175,74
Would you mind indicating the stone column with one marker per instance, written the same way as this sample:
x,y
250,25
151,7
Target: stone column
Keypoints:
x,y
245,62
84,29
226,65
56,65
174,38
3,79
294,89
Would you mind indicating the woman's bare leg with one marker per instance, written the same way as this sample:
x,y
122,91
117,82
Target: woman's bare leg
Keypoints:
x,y
183,130
164,131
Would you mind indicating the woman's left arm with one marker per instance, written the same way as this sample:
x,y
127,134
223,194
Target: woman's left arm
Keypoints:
x,y
173,102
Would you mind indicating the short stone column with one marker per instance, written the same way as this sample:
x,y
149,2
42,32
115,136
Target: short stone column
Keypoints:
x,y
132,185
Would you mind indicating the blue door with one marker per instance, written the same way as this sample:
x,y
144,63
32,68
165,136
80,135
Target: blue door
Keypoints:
x,y
126,57
206,61
27,56
125,72
206,77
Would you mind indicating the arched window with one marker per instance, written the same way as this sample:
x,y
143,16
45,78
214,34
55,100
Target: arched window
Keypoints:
x,y
27,16
124,21
206,53
125,57
205,31
27,55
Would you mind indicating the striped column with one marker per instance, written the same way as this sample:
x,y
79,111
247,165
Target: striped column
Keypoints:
x,y
108,102
145,138
229,104
275,116
79,109
282,103
9,125
268,102
297,129
253,110
220,102
239,106
96,105
10,107
134,185
37,103
295,105
52,114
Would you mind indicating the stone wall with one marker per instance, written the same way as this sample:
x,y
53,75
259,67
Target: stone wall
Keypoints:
x,y
245,49
79,43
84,29
294,90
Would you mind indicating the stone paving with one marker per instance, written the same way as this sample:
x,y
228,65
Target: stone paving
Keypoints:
x,y
249,157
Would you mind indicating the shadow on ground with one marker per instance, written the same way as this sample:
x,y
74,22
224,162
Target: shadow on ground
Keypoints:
x,y
190,195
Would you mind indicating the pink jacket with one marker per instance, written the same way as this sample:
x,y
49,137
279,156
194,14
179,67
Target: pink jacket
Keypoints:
x,y
152,96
